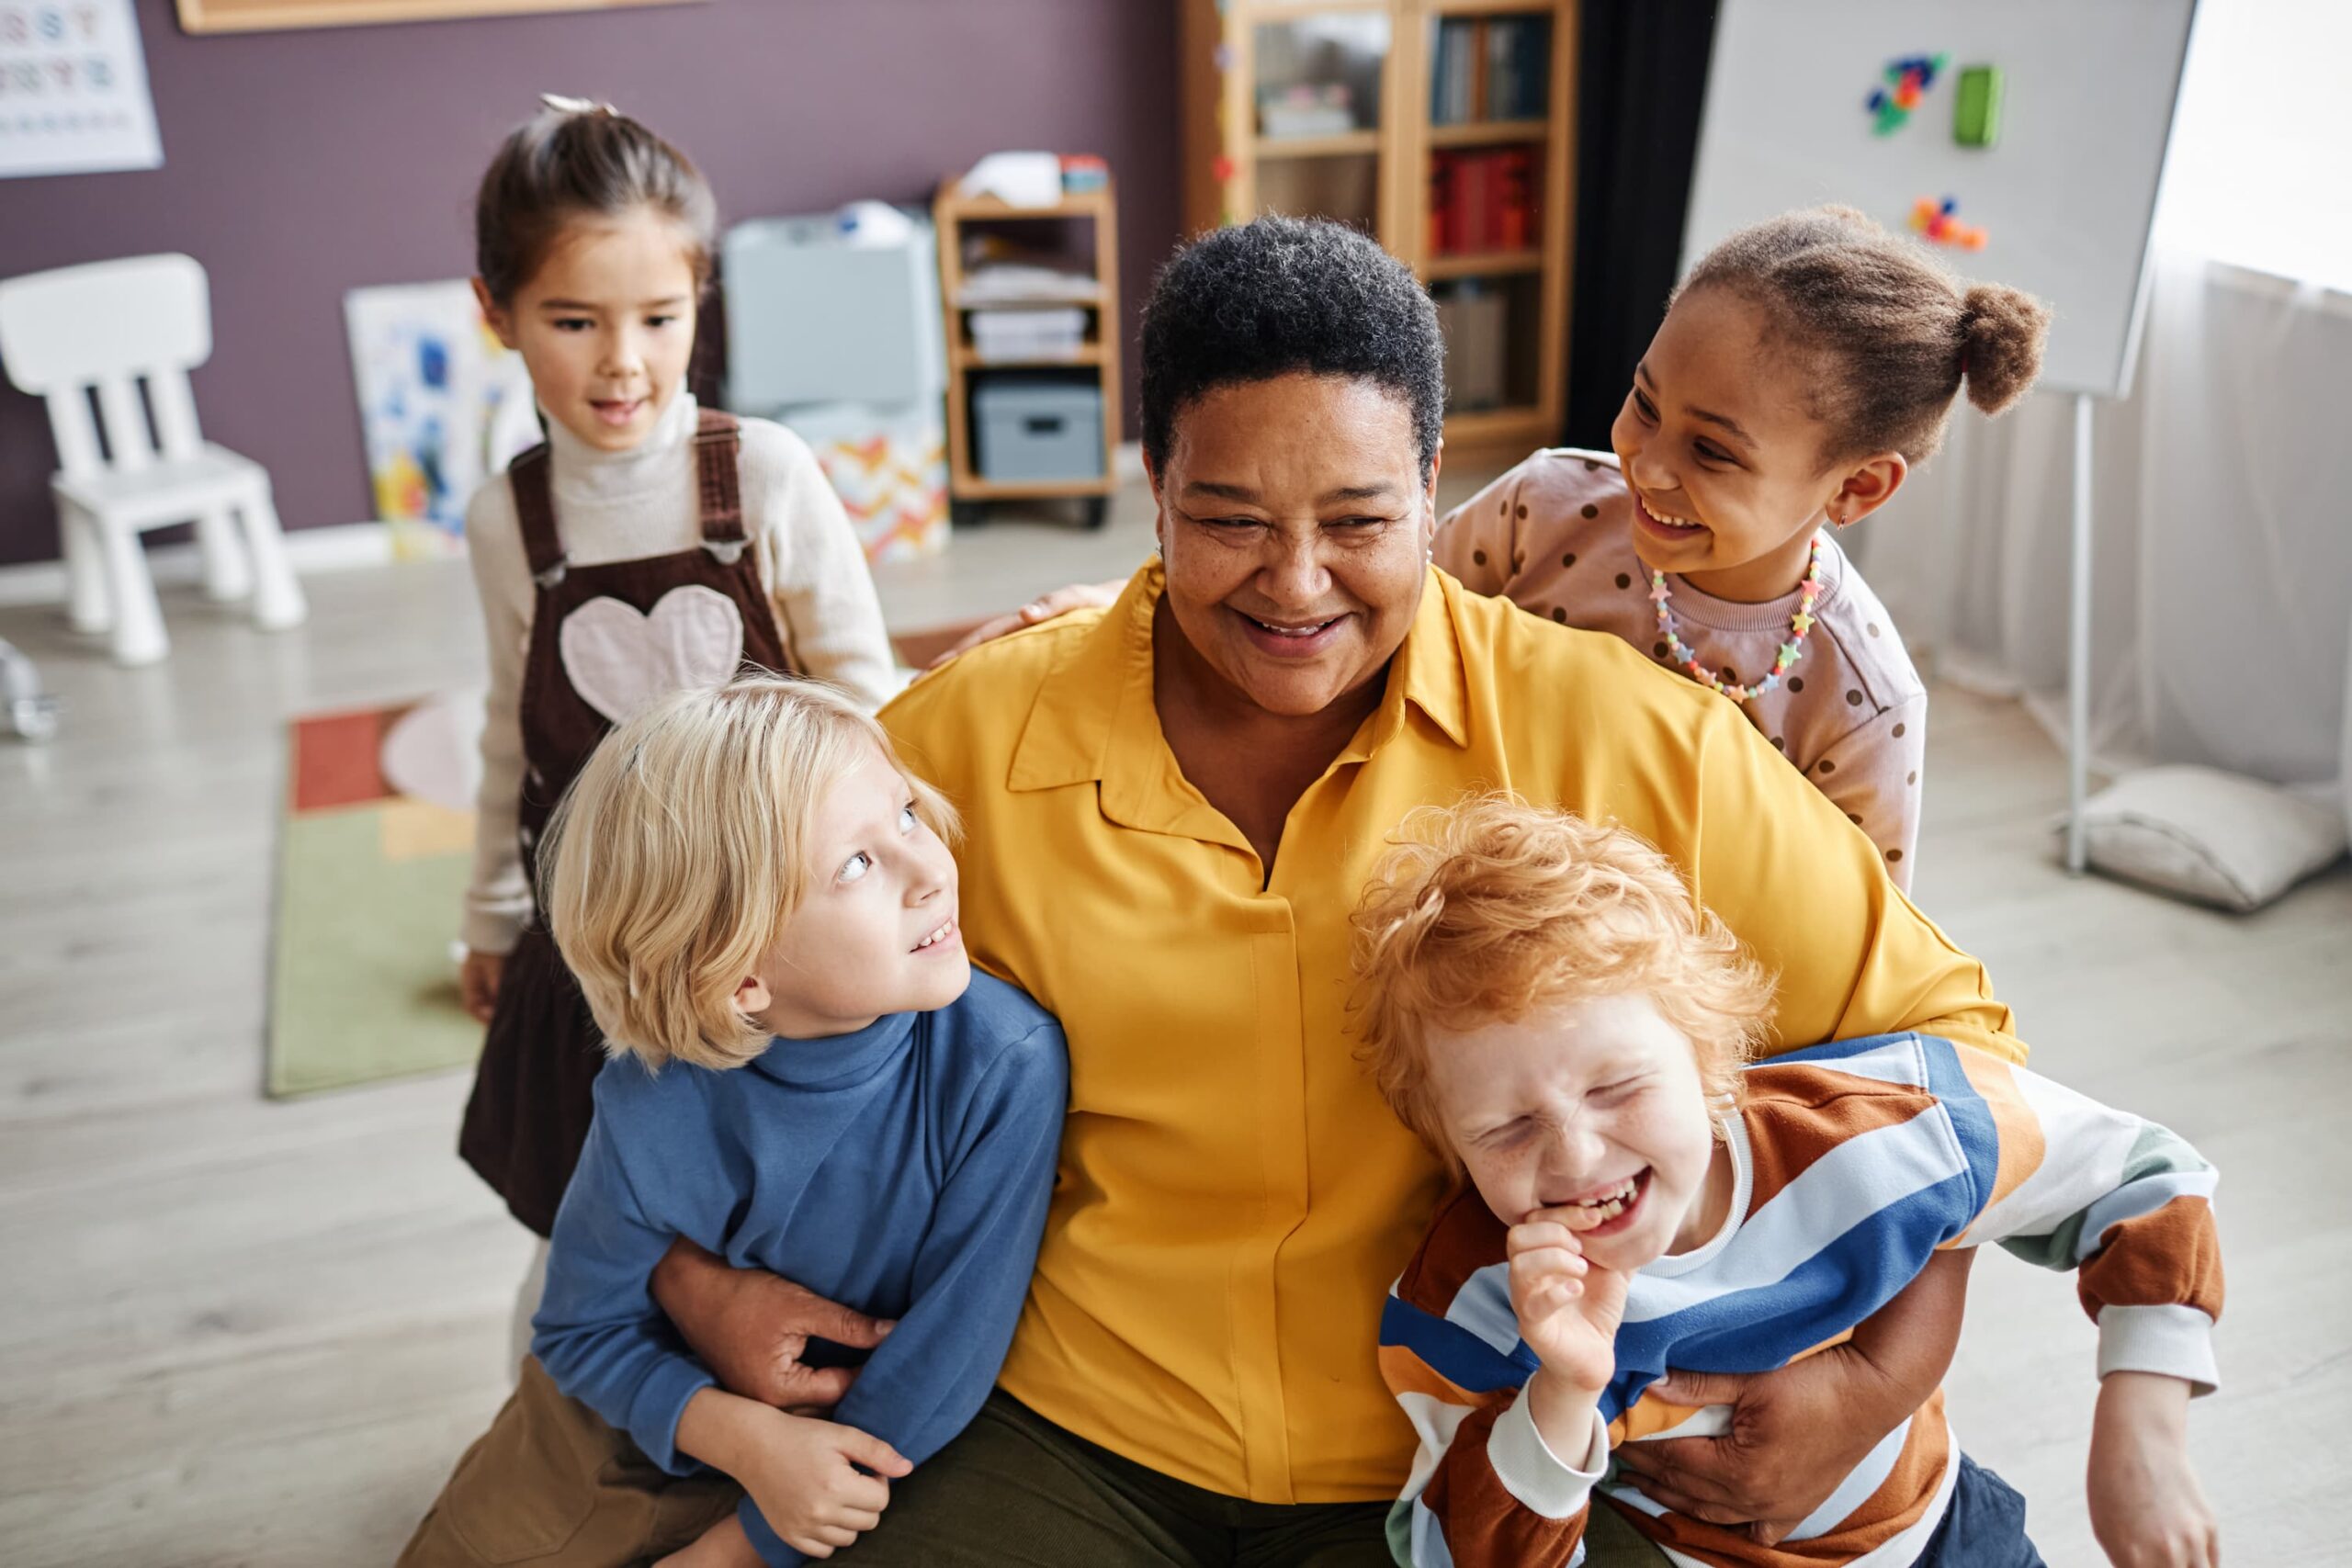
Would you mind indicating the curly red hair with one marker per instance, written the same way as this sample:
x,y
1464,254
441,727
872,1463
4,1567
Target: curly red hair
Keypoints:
x,y
1489,909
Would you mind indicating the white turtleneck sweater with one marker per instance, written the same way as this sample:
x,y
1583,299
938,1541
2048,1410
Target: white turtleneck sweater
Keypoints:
x,y
614,506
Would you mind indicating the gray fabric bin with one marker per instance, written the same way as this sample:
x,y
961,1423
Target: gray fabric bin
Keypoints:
x,y
1049,430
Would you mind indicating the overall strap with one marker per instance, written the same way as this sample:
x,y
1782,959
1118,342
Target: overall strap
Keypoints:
x,y
535,509
718,485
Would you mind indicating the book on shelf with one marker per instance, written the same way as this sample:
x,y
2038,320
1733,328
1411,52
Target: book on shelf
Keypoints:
x,y
1489,68
1519,52
1473,319
1482,201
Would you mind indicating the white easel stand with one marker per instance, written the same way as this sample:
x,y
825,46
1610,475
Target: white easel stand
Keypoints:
x,y
2078,647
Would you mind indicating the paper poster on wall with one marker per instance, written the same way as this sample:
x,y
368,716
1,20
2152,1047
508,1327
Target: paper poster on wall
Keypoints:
x,y
443,406
74,97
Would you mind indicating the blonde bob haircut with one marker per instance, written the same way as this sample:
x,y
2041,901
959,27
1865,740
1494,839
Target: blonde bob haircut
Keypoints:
x,y
674,862
1492,908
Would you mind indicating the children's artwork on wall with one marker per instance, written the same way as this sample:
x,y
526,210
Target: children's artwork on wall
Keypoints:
x,y
442,403
1935,221
277,15
74,97
1908,81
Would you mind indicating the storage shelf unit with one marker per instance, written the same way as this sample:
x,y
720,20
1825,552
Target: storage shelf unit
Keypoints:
x,y
1376,66
1097,358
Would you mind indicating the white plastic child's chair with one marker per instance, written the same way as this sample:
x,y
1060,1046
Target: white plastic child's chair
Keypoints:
x,y
101,328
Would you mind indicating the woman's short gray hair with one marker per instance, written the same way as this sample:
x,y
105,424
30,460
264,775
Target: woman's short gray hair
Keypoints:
x,y
1281,295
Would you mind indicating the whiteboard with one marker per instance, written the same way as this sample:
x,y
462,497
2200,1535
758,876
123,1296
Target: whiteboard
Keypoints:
x,y
2066,197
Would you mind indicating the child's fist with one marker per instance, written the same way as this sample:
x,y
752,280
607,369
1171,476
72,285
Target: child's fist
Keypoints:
x,y
2147,1509
478,978
1568,1307
810,1486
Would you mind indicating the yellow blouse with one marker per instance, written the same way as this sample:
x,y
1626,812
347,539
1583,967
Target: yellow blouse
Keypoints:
x,y
1234,1197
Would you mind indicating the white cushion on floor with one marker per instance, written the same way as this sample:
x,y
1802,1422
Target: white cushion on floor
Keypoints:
x,y
2208,836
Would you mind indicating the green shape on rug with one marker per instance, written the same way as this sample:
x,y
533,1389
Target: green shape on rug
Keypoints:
x,y
363,987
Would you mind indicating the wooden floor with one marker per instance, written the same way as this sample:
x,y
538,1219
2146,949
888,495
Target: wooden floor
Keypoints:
x,y
238,1332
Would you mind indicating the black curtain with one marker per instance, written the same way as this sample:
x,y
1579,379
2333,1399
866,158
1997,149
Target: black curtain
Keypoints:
x,y
1642,71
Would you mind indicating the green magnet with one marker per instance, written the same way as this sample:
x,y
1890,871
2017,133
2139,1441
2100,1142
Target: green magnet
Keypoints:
x,y
1976,107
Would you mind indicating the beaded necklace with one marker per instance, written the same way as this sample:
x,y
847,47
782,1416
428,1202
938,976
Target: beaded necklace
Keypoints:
x,y
1791,652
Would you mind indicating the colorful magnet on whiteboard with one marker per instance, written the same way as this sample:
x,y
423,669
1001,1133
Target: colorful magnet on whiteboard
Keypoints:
x,y
1908,81
1222,167
1939,223
1976,106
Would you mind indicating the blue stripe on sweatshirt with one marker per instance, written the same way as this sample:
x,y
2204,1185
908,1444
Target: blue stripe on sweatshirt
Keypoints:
x,y
1452,1351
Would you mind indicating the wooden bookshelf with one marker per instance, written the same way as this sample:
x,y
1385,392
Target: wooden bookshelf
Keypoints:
x,y
1375,171
1098,357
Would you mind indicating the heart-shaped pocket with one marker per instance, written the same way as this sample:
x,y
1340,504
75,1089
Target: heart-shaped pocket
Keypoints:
x,y
619,661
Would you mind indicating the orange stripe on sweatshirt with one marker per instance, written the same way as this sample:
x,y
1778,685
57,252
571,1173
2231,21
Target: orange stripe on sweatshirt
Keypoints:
x,y
1898,1503
2022,1145
1813,1109
1463,1238
2172,1257
1408,1373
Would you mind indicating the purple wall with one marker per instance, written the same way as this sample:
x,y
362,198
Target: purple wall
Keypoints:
x,y
301,164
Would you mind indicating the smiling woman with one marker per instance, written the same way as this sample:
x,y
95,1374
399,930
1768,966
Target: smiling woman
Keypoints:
x,y
1173,805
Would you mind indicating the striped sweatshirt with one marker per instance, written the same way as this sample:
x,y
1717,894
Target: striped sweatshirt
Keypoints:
x,y
1853,1163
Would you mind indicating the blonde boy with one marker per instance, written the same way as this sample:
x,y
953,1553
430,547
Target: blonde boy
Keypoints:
x,y
760,903
1541,1002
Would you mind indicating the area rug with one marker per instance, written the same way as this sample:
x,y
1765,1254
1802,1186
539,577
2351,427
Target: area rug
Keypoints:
x,y
373,855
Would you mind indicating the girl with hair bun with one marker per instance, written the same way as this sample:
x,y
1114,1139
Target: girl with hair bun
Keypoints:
x,y
1806,366
649,546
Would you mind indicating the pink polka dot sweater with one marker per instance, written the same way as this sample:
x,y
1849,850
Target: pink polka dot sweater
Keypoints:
x,y
1554,534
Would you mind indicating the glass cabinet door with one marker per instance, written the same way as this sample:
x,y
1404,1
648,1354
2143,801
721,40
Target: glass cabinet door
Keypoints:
x,y
1318,121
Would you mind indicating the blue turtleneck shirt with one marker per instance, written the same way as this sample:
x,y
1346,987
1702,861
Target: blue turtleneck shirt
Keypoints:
x,y
902,1171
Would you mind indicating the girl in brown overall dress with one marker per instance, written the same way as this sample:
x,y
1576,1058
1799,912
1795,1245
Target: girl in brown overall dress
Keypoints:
x,y
648,545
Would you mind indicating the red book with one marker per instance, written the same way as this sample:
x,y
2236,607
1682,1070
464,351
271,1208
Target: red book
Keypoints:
x,y
1515,212
1474,202
1441,181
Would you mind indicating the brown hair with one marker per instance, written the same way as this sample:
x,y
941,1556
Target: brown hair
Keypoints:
x,y
1899,334
1492,908
572,161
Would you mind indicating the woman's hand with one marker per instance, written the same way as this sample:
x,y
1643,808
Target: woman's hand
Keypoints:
x,y
1797,1432
2147,1509
478,976
751,1328
1045,607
